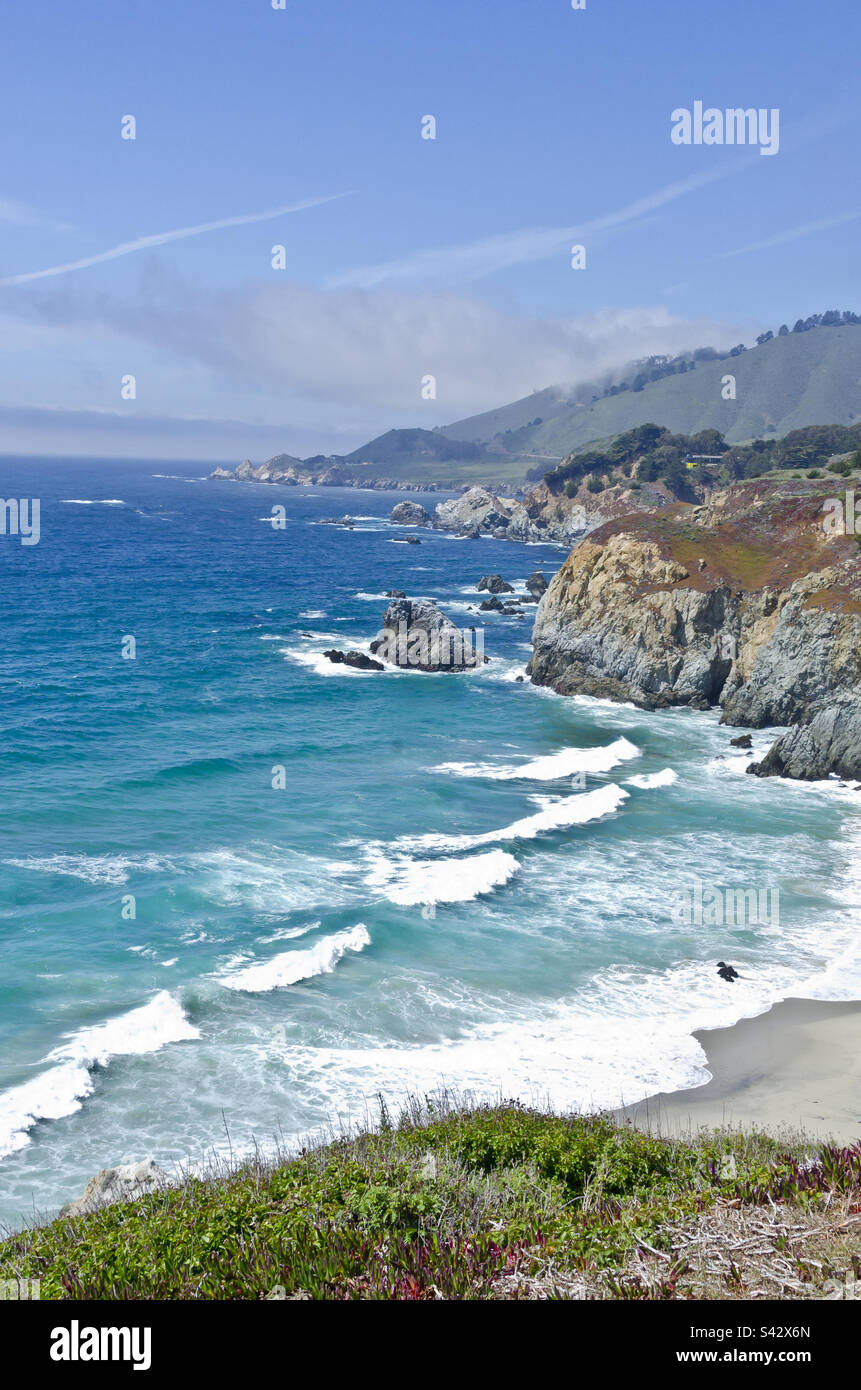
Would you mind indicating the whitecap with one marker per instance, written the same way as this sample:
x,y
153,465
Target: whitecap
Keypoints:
x,y
409,882
647,780
290,967
557,813
552,766
61,1090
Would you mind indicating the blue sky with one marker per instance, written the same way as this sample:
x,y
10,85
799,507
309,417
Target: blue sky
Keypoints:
x,y
449,257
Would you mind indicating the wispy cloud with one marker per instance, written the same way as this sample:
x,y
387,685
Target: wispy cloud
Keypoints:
x,y
145,243
15,214
472,260
793,234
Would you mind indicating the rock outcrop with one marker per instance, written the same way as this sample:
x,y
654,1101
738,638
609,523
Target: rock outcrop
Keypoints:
x,y
494,584
410,514
418,635
121,1184
359,660
319,472
747,603
545,514
477,510
829,744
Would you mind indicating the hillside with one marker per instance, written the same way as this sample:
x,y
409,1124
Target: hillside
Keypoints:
x,y
803,378
811,376
493,1203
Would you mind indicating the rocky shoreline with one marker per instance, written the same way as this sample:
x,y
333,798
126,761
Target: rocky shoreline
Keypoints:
x,y
748,604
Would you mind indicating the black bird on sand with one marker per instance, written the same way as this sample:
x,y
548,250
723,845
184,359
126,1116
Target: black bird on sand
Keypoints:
x,y
727,972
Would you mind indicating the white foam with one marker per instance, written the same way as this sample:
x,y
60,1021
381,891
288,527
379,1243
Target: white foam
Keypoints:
x,y
93,501
61,1090
558,813
94,868
551,767
311,613
409,882
665,778
321,665
290,967
270,879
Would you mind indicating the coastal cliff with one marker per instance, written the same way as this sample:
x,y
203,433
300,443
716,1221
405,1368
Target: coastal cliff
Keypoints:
x,y
750,603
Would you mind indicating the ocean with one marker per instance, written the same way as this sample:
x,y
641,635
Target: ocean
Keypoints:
x,y
459,881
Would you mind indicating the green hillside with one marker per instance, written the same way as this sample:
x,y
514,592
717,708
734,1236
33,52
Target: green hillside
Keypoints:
x,y
800,379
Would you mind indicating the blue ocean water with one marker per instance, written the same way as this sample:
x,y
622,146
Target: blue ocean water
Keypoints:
x,y
435,897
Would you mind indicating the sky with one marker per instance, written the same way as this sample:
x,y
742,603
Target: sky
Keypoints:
x,y
404,257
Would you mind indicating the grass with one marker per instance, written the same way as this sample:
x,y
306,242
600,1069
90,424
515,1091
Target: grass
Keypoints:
x,y
494,1202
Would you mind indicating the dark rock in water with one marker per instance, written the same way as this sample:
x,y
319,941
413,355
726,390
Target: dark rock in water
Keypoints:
x,y
491,605
337,521
407,540
743,741
410,514
494,584
306,634
418,635
512,611
356,659
473,535
536,584
519,680
829,743
727,972
395,593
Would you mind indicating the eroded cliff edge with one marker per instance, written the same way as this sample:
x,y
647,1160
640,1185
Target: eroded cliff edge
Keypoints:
x,y
751,602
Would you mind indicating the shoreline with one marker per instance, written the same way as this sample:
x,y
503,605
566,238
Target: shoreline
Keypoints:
x,y
795,1067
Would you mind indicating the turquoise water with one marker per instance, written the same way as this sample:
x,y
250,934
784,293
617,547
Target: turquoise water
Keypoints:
x,y
434,897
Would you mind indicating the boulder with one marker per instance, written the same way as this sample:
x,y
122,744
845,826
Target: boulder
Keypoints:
x,y
395,593
418,635
491,605
494,584
121,1184
359,660
743,741
407,540
537,585
410,514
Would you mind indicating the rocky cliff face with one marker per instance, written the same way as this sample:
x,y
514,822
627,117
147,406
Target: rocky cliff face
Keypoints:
x,y
545,515
748,603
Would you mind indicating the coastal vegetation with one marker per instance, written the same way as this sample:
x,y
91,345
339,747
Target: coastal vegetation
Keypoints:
x,y
652,453
489,1202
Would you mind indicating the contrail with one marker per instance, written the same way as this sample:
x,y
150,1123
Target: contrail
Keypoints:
x,y
794,234
161,238
475,259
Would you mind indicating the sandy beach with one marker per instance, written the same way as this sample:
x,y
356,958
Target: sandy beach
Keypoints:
x,y
796,1067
